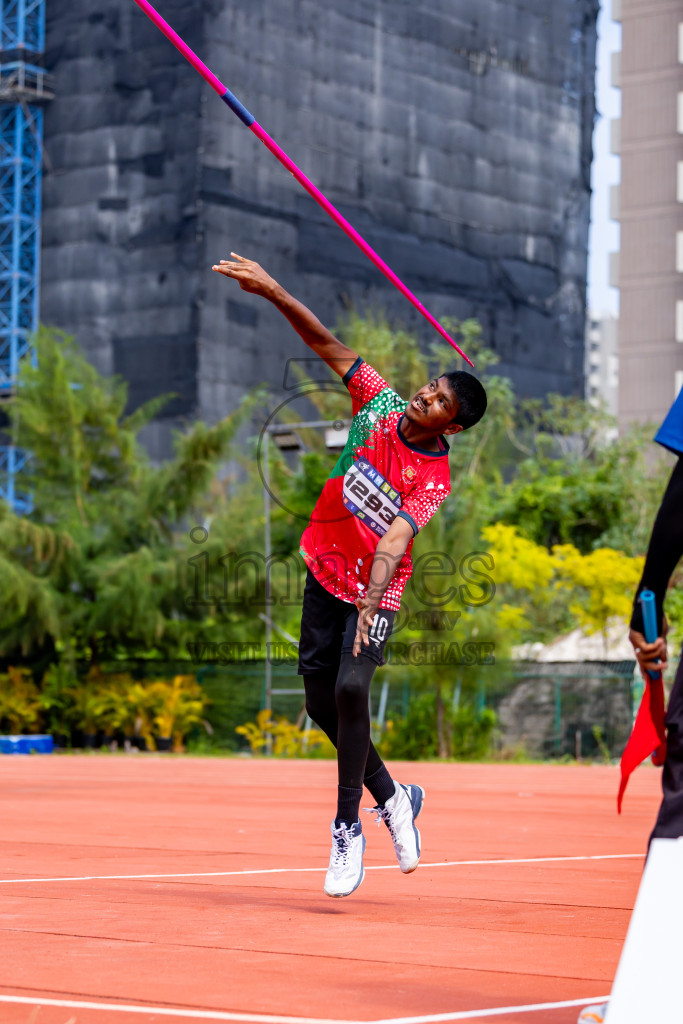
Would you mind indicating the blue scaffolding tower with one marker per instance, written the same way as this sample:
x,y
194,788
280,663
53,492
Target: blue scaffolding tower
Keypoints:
x,y
23,89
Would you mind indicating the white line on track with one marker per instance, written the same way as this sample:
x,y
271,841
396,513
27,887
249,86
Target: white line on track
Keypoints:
x,y
287,871
262,1018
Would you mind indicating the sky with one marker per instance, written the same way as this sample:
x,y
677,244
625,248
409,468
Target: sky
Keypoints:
x,y
604,233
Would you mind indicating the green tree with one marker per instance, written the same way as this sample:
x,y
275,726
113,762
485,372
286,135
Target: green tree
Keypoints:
x,y
576,484
98,569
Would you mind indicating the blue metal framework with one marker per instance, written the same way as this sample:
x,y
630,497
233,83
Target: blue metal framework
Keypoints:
x,y
22,25
22,30
20,179
12,461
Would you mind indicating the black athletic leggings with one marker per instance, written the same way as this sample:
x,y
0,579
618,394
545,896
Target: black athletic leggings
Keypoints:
x,y
337,684
340,707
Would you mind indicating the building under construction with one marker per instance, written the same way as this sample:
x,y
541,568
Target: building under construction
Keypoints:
x,y
456,137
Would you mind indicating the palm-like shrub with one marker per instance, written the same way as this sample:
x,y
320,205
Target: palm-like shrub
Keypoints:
x,y
19,702
179,707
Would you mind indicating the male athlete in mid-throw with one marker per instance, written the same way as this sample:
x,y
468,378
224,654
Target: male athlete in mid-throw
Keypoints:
x,y
387,483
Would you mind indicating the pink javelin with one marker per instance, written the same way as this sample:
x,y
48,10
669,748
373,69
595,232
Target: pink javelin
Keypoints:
x,y
250,121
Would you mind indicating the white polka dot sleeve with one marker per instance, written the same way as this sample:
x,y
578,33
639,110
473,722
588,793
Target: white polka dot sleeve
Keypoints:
x,y
426,496
363,383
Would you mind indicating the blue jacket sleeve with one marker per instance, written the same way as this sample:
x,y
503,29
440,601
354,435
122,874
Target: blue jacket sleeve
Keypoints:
x,y
670,434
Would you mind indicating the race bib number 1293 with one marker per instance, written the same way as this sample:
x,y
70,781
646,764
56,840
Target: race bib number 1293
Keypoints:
x,y
370,497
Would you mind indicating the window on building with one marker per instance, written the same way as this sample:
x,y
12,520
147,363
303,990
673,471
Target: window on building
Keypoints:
x,y
679,320
679,252
678,382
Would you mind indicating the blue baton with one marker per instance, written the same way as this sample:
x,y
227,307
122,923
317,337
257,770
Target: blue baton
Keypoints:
x,y
649,606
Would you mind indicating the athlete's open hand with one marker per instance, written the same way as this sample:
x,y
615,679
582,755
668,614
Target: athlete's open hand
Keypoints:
x,y
250,275
367,609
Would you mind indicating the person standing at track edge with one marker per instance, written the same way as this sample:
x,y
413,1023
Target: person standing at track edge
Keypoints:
x,y
388,482
663,554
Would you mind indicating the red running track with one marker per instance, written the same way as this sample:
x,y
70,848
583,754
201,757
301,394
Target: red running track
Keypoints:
x,y
232,924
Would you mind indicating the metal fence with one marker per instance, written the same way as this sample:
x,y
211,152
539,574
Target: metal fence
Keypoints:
x,y
545,710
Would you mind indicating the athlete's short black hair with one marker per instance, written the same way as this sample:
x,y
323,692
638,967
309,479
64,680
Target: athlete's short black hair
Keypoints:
x,y
471,397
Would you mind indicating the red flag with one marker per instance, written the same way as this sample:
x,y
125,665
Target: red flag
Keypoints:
x,y
648,737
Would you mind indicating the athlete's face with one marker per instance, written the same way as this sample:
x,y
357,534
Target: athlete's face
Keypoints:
x,y
433,408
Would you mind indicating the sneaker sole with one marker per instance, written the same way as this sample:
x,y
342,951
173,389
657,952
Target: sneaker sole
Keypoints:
x,y
341,895
409,871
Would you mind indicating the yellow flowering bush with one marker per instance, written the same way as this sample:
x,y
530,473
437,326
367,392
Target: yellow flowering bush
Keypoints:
x,y
593,588
287,739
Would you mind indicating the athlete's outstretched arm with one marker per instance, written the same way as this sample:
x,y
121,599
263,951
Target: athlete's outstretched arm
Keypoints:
x,y
390,550
251,277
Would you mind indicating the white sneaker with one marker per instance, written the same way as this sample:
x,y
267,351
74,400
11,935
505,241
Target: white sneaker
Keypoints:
x,y
399,814
345,872
593,1014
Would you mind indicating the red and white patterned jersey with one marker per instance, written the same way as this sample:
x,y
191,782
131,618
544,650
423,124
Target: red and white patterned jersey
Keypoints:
x,y
377,477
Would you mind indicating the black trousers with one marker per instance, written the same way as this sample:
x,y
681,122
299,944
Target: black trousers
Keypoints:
x,y
337,684
669,824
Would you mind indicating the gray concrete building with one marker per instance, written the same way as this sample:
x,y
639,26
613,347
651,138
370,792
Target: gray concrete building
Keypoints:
x,y
647,203
455,137
602,362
